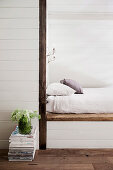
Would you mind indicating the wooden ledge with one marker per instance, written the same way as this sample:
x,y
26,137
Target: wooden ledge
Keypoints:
x,y
79,117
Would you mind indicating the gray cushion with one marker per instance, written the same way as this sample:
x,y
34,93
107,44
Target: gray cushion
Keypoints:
x,y
73,84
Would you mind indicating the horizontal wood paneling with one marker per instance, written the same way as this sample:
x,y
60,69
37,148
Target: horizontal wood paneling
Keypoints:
x,y
57,125
80,6
107,24
81,9
20,96
19,3
80,144
82,34
19,75
12,105
19,34
19,65
102,53
19,55
19,13
6,128
19,44
19,23
87,39
4,144
79,134
80,16
85,45
5,115
22,86
80,2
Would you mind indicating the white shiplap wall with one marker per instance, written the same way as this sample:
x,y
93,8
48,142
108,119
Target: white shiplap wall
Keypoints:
x,y
79,134
19,46
82,33
19,73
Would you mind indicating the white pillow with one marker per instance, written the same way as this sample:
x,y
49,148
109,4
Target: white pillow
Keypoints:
x,y
58,89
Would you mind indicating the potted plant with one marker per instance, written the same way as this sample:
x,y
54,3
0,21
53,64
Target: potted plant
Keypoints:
x,y
23,117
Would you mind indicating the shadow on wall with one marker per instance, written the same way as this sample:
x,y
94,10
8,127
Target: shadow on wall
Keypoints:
x,y
84,78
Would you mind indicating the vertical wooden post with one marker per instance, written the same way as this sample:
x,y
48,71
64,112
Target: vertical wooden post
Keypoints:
x,y
42,73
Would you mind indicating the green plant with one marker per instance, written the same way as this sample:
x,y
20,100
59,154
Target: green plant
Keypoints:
x,y
23,117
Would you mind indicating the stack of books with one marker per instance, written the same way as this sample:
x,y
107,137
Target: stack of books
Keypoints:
x,y
22,147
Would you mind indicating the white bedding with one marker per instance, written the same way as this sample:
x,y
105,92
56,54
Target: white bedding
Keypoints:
x,y
94,100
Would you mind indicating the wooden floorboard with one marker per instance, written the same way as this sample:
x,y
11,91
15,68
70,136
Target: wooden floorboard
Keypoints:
x,y
79,117
63,159
105,166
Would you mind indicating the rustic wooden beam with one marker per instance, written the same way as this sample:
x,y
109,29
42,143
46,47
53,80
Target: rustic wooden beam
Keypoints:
x,y
42,73
80,117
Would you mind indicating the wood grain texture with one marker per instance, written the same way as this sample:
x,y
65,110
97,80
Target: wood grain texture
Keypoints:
x,y
103,166
42,74
79,117
63,159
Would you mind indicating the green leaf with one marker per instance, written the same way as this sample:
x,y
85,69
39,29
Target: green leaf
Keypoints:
x,y
28,114
39,117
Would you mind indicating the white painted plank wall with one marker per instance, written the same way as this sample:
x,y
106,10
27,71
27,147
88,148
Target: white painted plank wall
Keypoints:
x,y
82,33
19,77
19,55
81,6
80,134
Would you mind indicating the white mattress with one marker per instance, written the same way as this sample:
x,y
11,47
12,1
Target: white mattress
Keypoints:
x,y
94,100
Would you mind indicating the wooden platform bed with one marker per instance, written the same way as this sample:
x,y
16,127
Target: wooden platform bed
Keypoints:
x,y
79,117
42,88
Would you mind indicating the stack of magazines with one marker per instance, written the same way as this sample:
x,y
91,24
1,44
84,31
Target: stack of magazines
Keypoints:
x,y
22,147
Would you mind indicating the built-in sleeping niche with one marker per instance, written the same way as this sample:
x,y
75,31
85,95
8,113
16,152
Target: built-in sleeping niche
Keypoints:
x,y
80,73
